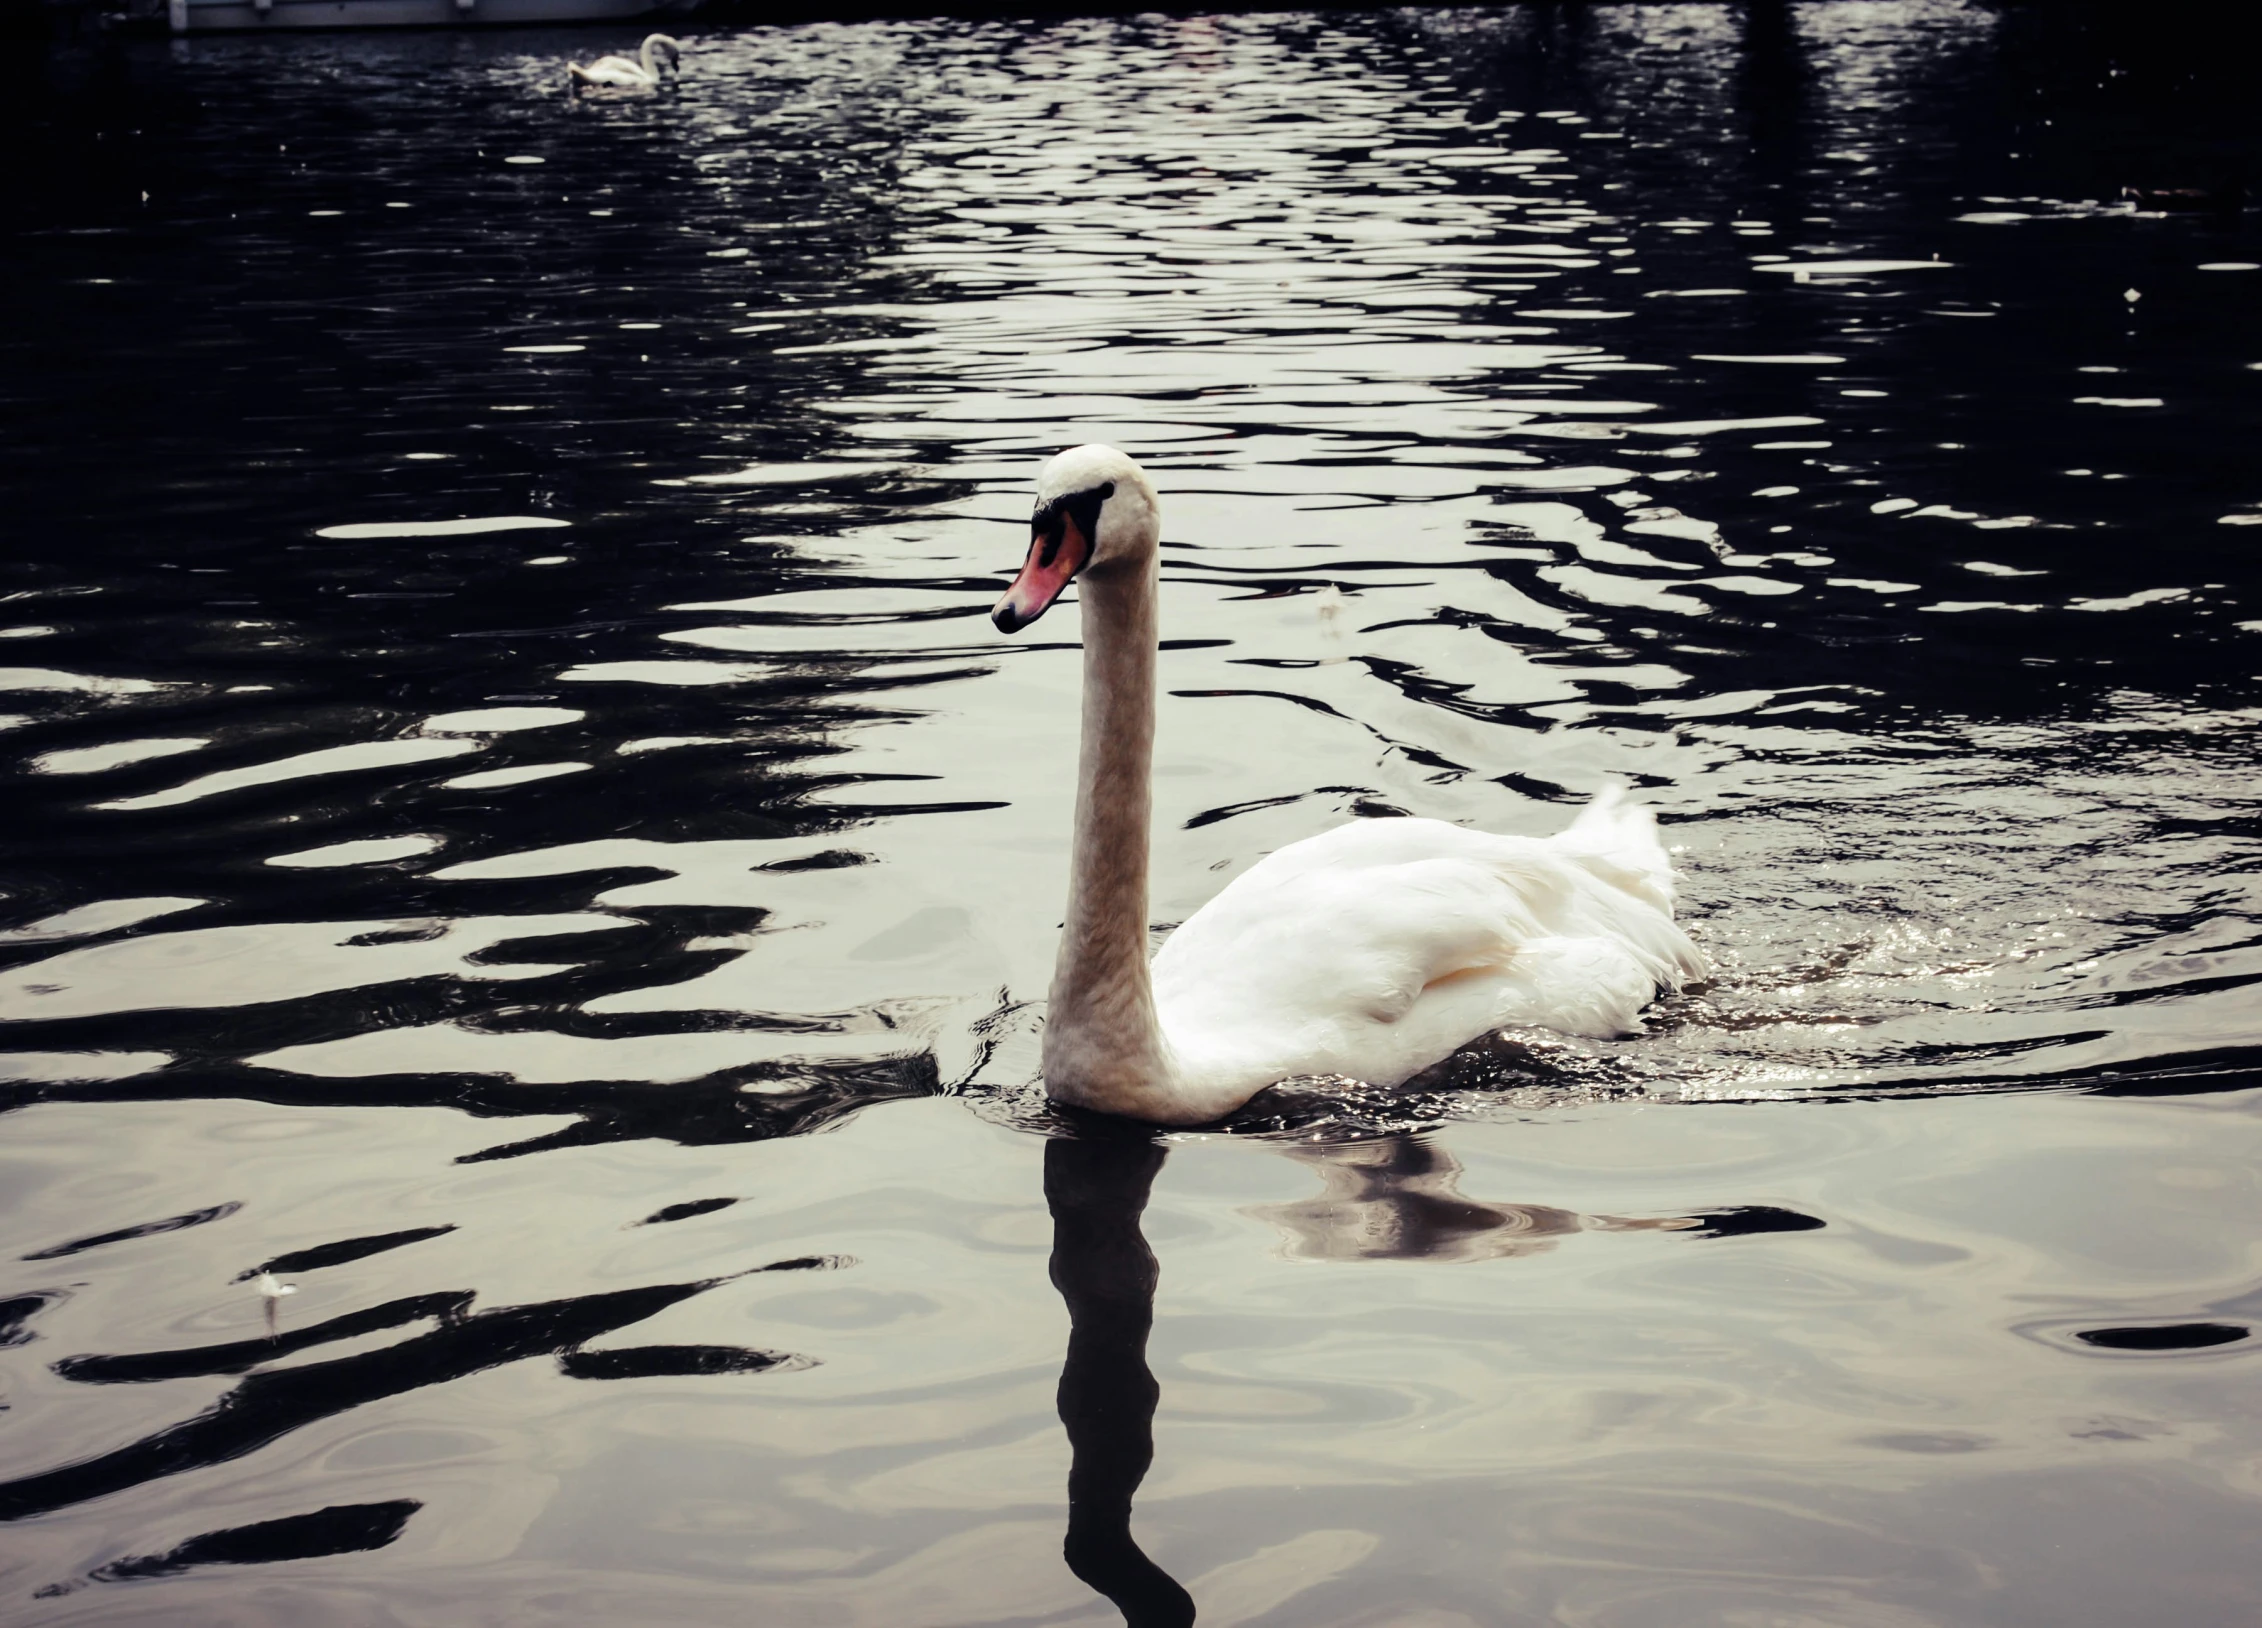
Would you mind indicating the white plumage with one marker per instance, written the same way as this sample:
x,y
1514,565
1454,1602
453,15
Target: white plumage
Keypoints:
x,y
1381,947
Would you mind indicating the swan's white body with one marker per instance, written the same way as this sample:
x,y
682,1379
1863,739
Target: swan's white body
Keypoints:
x,y
1381,947
642,72
1373,950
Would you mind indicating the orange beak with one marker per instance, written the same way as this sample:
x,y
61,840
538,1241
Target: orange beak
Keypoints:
x,y
1056,553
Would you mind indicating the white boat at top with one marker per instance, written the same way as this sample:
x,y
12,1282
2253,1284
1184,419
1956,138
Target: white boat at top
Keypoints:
x,y
252,16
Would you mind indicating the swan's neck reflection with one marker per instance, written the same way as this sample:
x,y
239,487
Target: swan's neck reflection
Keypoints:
x,y
1104,1270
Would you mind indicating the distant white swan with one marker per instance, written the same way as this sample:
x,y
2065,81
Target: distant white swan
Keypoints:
x,y
623,73
1373,950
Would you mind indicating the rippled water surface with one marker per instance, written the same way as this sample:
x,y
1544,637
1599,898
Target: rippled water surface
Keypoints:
x,y
517,825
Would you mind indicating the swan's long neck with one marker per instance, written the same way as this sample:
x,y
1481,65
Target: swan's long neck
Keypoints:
x,y
650,59
1103,1045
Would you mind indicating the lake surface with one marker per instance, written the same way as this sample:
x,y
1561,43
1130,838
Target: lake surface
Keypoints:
x,y
516,823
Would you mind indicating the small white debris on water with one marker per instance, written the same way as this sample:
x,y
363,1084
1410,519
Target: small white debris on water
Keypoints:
x,y
272,1290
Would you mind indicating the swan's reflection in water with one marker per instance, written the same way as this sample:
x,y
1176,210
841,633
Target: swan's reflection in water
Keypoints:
x,y
1097,1191
1391,1198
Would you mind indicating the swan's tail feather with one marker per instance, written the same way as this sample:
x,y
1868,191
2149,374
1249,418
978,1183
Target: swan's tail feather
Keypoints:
x,y
1616,841
1620,839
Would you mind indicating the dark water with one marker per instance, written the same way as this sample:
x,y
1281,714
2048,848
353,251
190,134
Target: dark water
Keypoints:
x,y
516,823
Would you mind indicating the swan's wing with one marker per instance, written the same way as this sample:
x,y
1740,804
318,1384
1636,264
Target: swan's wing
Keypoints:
x,y
1618,841
1612,837
1379,947
1365,941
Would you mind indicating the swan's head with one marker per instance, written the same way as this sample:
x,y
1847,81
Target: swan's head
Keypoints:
x,y
1097,516
670,48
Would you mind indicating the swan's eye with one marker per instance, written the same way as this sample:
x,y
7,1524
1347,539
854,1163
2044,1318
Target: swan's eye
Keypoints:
x,y
1082,511
1075,515
1050,528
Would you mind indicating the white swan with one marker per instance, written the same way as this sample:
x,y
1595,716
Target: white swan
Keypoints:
x,y
642,72
1373,950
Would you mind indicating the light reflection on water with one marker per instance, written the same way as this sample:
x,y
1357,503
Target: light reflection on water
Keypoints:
x,y
469,923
